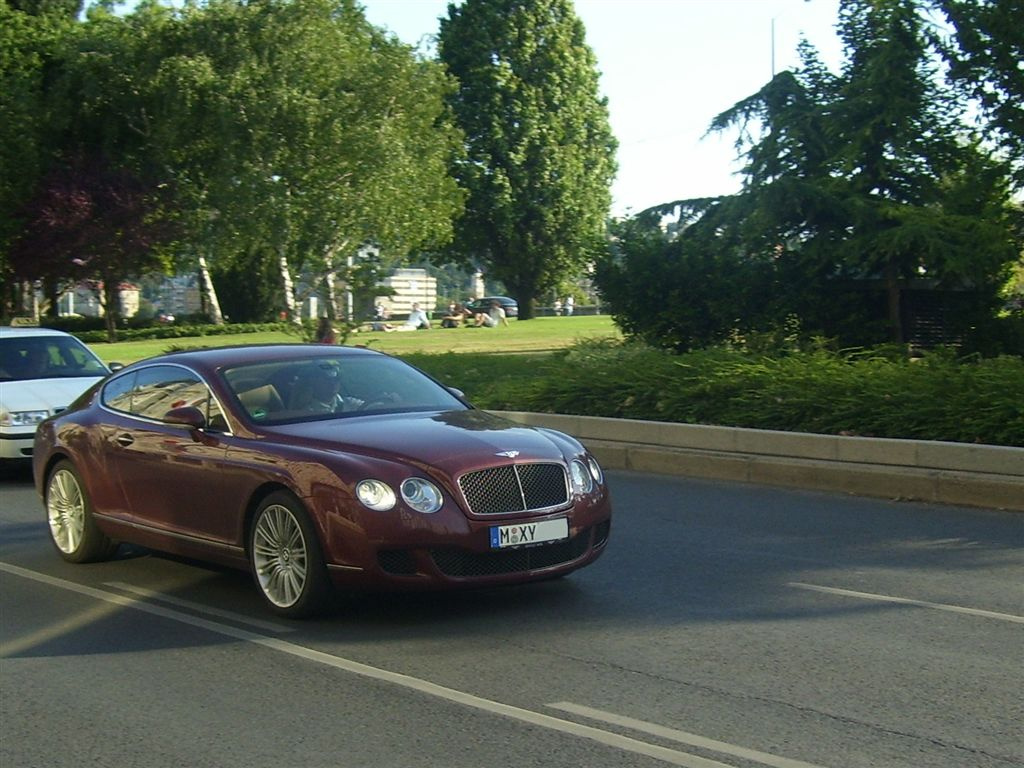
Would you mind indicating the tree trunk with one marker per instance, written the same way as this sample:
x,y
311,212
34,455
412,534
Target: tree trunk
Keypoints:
x,y
893,289
34,298
209,292
289,289
525,301
334,311
52,297
331,306
24,290
111,301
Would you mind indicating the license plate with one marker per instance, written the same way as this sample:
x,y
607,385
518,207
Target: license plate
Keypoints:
x,y
522,534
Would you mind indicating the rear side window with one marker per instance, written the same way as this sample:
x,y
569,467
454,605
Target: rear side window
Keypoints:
x,y
117,393
151,392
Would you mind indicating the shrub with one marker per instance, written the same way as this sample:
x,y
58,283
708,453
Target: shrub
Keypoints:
x,y
183,330
871,393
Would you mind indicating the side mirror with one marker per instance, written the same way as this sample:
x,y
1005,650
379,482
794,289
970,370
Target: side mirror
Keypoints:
x,y
186,416
114,367
457,392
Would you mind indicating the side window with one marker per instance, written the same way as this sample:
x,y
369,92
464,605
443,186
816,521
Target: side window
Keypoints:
x,y
163,387
117,393
152,392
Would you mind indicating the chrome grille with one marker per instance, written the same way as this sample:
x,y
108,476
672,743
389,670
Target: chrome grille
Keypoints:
x,y
515,488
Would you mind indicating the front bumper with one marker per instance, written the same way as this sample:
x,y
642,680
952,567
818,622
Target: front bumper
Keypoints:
x,y
454,562
14,445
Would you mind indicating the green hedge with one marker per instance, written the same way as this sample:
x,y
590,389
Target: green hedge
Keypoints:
x,y
178,331
866,393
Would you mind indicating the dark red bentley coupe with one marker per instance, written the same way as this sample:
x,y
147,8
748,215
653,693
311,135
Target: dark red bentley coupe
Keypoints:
x,y
315,466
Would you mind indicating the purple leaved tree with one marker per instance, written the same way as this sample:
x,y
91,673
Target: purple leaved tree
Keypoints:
x,y
90,221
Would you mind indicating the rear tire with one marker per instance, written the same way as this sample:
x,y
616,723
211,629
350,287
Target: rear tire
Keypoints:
x,y
73,530
286,559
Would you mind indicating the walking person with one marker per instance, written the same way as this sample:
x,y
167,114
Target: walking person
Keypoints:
x,y
325,333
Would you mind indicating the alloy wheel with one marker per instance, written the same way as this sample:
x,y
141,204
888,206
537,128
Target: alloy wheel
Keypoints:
x,y
65,511
280,555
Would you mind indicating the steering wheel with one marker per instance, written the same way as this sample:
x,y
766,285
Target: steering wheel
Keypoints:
x,y
385,398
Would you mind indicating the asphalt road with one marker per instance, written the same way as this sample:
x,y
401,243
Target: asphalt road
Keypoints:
x,y
726,625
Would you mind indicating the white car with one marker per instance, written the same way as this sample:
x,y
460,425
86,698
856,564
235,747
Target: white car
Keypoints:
x,y
42,371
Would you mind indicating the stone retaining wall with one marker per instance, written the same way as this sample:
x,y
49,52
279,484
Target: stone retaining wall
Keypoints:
x,y
920,470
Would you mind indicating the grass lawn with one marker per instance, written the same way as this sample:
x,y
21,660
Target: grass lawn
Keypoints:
x,y
540,335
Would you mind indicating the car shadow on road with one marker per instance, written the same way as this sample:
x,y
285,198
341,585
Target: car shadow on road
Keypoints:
x,y
686,554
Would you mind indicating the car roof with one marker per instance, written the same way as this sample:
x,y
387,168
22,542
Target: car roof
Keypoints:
x,y
23,332
240,354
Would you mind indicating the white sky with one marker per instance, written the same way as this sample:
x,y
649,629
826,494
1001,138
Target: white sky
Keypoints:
x,y
668,67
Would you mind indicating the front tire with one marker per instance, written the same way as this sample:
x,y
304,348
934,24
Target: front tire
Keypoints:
x,y
286,560
73,530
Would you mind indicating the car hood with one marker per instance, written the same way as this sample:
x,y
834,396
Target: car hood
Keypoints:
x,y
454,441
43,394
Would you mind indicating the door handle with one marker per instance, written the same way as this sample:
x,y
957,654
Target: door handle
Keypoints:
x,y
124,440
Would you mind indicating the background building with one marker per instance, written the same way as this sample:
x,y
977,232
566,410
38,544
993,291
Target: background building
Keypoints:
x,y
84,300
410,286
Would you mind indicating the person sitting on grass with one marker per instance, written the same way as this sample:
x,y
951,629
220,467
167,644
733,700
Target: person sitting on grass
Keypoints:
x,y
417,319
456,315
491,318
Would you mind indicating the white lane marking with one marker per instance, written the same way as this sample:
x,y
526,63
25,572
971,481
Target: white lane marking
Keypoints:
x,y
683,737
616,741
907,601
160,597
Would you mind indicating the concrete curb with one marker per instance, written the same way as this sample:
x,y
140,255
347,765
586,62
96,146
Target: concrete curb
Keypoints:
x,y
919,470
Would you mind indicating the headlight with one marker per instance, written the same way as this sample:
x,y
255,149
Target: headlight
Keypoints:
x,y
582,482
422,495
375,494
22,418
595,470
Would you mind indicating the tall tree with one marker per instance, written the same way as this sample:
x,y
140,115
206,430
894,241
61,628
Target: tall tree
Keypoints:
x,y
30,52
541,153
68,9
78,132
985,59
894,140
295,128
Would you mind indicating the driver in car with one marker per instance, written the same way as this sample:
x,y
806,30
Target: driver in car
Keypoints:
x,y
320,392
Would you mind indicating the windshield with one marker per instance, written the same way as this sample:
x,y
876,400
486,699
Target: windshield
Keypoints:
x,y
305,389
47,357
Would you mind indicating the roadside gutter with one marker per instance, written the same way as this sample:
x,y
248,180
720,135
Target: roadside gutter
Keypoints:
x,y
962,474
